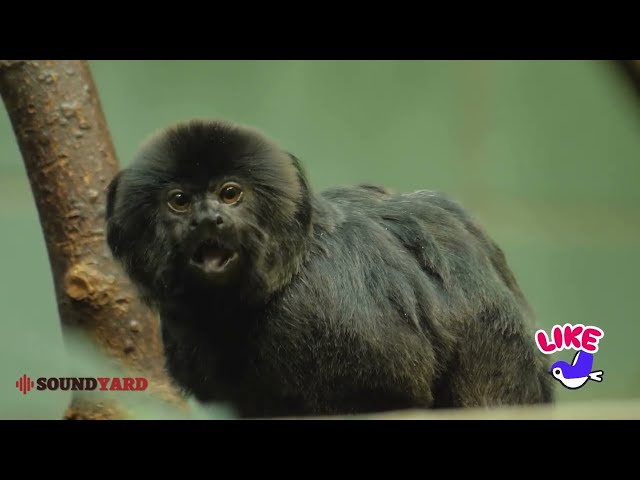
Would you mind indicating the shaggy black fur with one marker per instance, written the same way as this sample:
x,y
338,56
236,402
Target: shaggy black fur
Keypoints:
x,y
355,299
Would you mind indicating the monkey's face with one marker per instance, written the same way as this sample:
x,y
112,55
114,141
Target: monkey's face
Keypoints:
x,y
212,228
209,207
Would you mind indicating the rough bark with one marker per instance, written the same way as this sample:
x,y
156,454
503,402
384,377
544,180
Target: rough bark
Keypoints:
x,y
69,158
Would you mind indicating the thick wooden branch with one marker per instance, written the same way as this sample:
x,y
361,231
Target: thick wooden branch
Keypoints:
x,y
593,410
69,158
631,70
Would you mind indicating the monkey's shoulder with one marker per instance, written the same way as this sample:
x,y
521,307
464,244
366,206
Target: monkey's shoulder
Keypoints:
x,y
392,235
428,224
378,202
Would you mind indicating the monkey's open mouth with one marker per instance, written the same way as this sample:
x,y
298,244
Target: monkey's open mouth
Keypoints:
x,y
213,258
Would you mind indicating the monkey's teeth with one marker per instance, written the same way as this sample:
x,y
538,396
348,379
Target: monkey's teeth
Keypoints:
x,y
212,256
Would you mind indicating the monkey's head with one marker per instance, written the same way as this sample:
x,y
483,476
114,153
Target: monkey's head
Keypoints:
x,y
209,207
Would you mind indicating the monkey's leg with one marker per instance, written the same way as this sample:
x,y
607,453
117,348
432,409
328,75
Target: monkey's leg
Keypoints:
x,y
495,366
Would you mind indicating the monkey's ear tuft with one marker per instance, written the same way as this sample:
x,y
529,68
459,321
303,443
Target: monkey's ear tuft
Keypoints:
x,y
303,214
114,229
298,166
300,172
111,195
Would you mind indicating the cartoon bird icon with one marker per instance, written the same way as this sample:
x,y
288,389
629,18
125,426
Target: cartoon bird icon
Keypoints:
x,y
578,373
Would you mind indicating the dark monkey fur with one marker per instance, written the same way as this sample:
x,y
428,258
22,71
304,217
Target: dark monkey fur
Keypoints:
x,y
279,301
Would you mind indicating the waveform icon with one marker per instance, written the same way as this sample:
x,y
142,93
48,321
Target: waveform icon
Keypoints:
x,y
24,384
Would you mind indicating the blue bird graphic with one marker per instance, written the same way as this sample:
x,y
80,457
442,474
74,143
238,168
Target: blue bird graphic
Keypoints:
x,y
578,373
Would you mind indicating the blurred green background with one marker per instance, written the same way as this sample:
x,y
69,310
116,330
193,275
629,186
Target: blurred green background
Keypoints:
x,y
545,153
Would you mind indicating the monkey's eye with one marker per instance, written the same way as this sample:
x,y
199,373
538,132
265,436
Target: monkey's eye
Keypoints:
x,y
179,201
230,193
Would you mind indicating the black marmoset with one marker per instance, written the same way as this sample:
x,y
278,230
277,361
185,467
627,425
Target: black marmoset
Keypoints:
x,y
281,301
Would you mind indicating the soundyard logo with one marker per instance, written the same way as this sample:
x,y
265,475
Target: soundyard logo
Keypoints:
x,y
135,384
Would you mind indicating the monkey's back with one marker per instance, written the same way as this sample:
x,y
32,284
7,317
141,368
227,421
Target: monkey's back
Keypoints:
x,y
404,302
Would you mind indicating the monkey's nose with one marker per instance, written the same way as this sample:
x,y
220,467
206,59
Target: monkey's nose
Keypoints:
x,y
214,220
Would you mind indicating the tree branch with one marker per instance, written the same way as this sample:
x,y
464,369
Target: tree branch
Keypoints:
x,y
591,410
631,70
67,151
